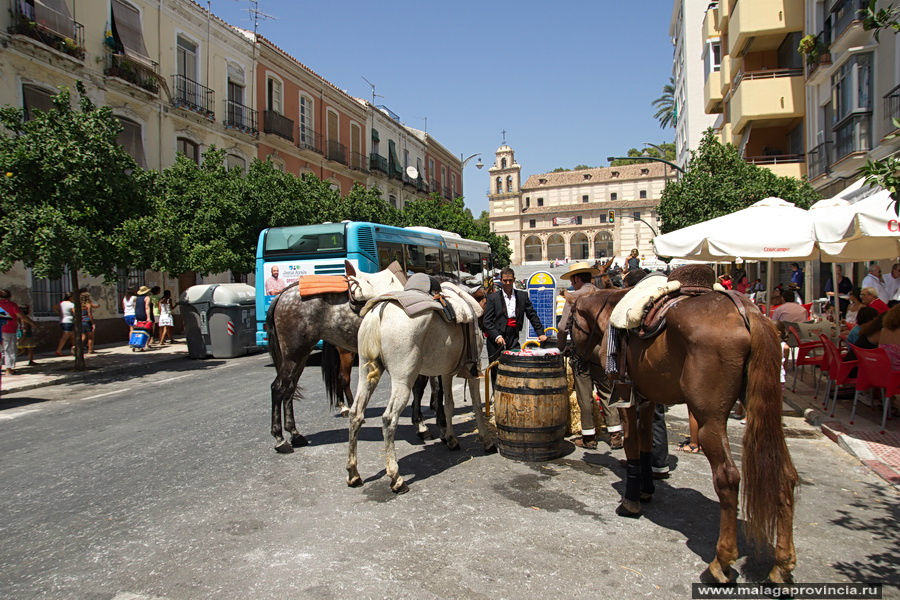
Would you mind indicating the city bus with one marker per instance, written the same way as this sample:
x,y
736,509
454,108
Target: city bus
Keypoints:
x,y
284,254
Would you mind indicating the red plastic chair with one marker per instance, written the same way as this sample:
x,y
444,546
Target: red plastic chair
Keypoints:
x,y
838,371
808,308
875,372
806,356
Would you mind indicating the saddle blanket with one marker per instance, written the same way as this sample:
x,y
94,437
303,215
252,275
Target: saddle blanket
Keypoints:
x,y
627,314
314,285
414,302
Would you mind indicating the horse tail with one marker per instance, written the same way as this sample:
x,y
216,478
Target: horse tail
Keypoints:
x,y
274,348
370,341
331,374
768,472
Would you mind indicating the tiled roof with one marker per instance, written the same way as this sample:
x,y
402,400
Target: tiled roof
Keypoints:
x,y
586,206
598,175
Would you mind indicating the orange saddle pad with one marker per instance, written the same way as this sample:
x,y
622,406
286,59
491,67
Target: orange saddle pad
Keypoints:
x,y
313,285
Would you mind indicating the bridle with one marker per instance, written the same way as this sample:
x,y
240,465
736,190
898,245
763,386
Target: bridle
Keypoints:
x,y
580,364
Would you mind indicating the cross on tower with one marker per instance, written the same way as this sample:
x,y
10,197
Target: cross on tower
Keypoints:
x,y
503,131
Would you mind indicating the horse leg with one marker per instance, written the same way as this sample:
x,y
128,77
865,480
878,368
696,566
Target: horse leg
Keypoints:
x,y
630,505
447,431
364,389
487,438
437,401
399,397
785,554
347,359
726,480
297,440
283,388
418,390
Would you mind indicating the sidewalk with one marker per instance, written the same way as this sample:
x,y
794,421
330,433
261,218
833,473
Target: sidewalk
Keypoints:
x,y
864,440
110,358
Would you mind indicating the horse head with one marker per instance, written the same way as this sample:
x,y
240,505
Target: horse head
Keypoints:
x,y
588,321
368,285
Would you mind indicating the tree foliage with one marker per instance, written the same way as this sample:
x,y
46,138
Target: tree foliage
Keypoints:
x,y
639,154
666,110
718,181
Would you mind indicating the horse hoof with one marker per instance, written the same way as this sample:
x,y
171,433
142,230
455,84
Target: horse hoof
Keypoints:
x,y
400,489
283,447
490,448
298,441
453,444
715,574
345,412
629,508
778,575
355,481
646,496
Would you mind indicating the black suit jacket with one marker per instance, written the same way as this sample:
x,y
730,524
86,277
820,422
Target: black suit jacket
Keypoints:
x,y
495,314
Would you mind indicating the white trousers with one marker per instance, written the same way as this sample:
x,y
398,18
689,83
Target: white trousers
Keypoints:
x,y
9,350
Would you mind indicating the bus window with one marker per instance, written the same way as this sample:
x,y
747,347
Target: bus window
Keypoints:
x,y
450,262
470,262
432,260
388,252
415,258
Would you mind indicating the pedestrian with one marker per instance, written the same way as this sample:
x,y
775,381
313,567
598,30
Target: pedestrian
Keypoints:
x,y
26,340
659,451
797,276
504,317
8,333
87,322
128,304
143,307
166,322
633,261
66,310
154,303
874,280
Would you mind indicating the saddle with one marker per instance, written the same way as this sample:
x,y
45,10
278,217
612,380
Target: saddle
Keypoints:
x,y
315,285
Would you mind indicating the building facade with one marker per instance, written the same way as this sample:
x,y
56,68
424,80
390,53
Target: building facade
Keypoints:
x,y
760,100
692,115
586,214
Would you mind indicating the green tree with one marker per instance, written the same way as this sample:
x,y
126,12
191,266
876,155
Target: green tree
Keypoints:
x,y
434,211
666,108
875,19
366,204
668,154
560,170
718,181
500,248
68,193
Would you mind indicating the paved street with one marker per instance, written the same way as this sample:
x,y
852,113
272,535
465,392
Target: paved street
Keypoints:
x,y
162,483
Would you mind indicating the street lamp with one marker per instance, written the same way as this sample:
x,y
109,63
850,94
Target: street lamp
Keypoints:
x,y
653,158
465,161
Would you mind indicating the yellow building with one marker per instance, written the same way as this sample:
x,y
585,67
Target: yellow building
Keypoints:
x,y
759,88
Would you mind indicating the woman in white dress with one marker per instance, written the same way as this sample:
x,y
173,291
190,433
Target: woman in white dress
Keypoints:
x,y
165,317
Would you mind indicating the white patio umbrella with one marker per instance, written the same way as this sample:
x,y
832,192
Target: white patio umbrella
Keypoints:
x,y
861,231
771,229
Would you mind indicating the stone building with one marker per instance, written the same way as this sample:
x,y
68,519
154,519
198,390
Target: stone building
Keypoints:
x,y
586,214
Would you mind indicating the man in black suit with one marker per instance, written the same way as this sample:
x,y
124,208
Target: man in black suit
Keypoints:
x,y
504,317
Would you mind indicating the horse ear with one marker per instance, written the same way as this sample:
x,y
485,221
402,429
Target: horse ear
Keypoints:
x,y
348,267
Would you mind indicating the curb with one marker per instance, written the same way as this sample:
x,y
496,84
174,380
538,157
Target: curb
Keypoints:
x,y
82,375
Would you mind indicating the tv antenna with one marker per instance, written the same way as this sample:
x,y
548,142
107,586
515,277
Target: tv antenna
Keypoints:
x,y
256,15
374,95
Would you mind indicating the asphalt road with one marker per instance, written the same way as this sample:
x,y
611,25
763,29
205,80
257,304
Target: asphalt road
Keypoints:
x,y
164,484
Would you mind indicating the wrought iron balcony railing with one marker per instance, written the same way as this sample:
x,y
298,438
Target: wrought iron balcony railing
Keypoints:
x,y
892,107
358,161
140,73
307,139
378,163
189,94
48,26
278,124
238,116
336,151
818,160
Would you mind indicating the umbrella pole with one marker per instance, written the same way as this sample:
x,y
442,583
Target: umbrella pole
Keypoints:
x,y
769,282
837,305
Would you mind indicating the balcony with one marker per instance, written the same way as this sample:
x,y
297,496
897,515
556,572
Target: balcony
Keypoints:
x,y
278,124
240,117
336,151
783,165
818,160
192,96
891,109
757,25
378,163
724,75
712,92
140,73
447,193
821,56
853,135
711,21
53,28
433,187
724,15
307,139
770,95
358,162
846,18
421,184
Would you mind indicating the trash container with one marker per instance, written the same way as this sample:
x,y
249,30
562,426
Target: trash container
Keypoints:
x,y
219,319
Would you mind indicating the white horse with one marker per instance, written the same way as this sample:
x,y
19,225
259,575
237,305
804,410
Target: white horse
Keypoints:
x,y
406,346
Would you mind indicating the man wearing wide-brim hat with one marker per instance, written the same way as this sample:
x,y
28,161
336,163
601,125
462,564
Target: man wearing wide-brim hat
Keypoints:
x,y
581,274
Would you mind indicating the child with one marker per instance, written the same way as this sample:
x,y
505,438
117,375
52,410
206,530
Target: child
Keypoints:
x,y
165,318
26,335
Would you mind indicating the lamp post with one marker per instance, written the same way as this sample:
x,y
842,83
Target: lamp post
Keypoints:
x,y
465,161
653,158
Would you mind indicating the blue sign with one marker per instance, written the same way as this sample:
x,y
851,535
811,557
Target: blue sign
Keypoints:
x,y
542,292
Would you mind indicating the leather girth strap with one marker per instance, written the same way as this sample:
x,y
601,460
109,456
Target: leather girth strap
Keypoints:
x,y
735,297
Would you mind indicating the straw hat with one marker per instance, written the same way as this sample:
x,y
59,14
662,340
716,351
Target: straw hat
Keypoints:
x,y
143,290
579,267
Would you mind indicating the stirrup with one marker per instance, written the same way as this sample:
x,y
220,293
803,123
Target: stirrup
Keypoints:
x,y
624,386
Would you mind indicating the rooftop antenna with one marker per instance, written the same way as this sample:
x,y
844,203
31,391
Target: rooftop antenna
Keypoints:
x,y
426,123
374,95
256,15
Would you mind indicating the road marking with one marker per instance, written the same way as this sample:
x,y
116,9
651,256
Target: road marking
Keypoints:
x,y
12,414
176,378
107,394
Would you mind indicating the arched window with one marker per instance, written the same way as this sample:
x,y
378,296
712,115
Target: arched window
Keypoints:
x,y
502,163
233,161
189,149
603,245
509,182
579,248
36,98
499,185
533,248
131,139
556,247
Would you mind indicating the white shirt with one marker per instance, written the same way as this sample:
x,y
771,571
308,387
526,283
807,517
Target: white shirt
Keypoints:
x,y
893,286
874,282
128,306
510,303
67,311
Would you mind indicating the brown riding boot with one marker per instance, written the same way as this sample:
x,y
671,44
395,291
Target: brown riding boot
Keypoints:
x,y
616,440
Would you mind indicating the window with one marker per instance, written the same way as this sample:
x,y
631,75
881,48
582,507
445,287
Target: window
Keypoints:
x,y
237,113
46,294
130,138
444,178
358,160
405,158
578,220
636,215
233,161
509,183
502,163
603,218
585,198
186,59
274,99
614,174
388,252
332,132
431,168
645,171
614,196
540,201
126,27
189,149
392,200
499,186
305,120
852,86
712,57
643,194
587,176
527,201
128,279
531,223
35,98
376,138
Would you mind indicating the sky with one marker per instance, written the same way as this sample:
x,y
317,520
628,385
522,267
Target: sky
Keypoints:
x,y
570,81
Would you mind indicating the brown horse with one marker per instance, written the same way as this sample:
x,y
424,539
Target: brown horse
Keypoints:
x,y
708,358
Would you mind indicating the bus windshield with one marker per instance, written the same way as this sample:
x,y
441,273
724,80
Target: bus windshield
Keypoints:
x,y
305,240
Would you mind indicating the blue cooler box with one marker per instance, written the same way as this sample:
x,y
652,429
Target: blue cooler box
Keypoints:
x,y
139,339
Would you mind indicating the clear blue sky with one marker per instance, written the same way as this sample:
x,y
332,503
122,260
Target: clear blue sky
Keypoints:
x,y
570,81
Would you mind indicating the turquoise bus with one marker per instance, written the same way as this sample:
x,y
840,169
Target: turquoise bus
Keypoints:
x,y
284,254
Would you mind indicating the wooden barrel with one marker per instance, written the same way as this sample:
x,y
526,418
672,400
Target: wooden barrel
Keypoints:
x,y
531,406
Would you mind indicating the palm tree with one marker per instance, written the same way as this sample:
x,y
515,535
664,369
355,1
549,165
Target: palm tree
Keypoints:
x,y
666,110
